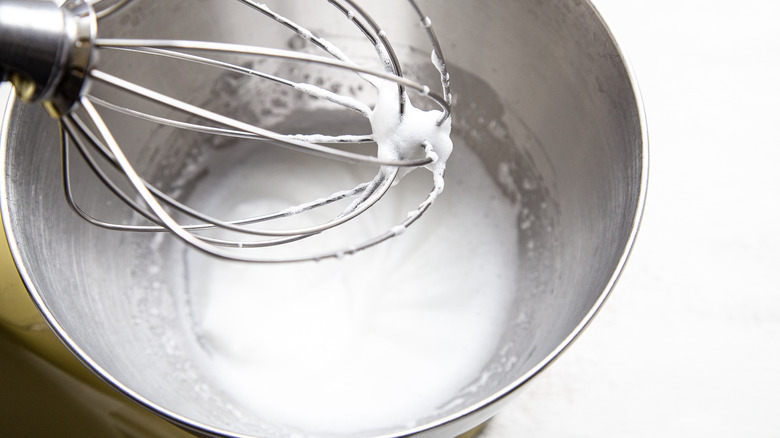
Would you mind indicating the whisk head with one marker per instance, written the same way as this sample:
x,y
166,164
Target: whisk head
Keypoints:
x,y
69,85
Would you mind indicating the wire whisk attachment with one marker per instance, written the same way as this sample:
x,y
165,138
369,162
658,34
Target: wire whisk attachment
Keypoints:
x,y
52,55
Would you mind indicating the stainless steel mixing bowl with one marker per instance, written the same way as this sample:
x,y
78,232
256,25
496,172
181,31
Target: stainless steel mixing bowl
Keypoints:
x,y
543,96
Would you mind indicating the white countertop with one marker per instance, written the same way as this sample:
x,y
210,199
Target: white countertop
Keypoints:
x,y
688,345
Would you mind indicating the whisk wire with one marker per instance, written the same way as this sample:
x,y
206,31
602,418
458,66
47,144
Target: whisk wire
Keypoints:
x,y
312,148
195,127
73,124
206,244
242,49
381,44
110,9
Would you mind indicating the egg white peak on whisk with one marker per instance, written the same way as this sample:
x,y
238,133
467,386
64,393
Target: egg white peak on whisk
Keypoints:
x,y
415,133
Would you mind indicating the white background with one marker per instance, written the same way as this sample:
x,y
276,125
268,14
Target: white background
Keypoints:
x,y
688,345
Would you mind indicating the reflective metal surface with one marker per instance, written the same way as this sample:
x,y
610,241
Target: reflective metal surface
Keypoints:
x,y
542,95
46,50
